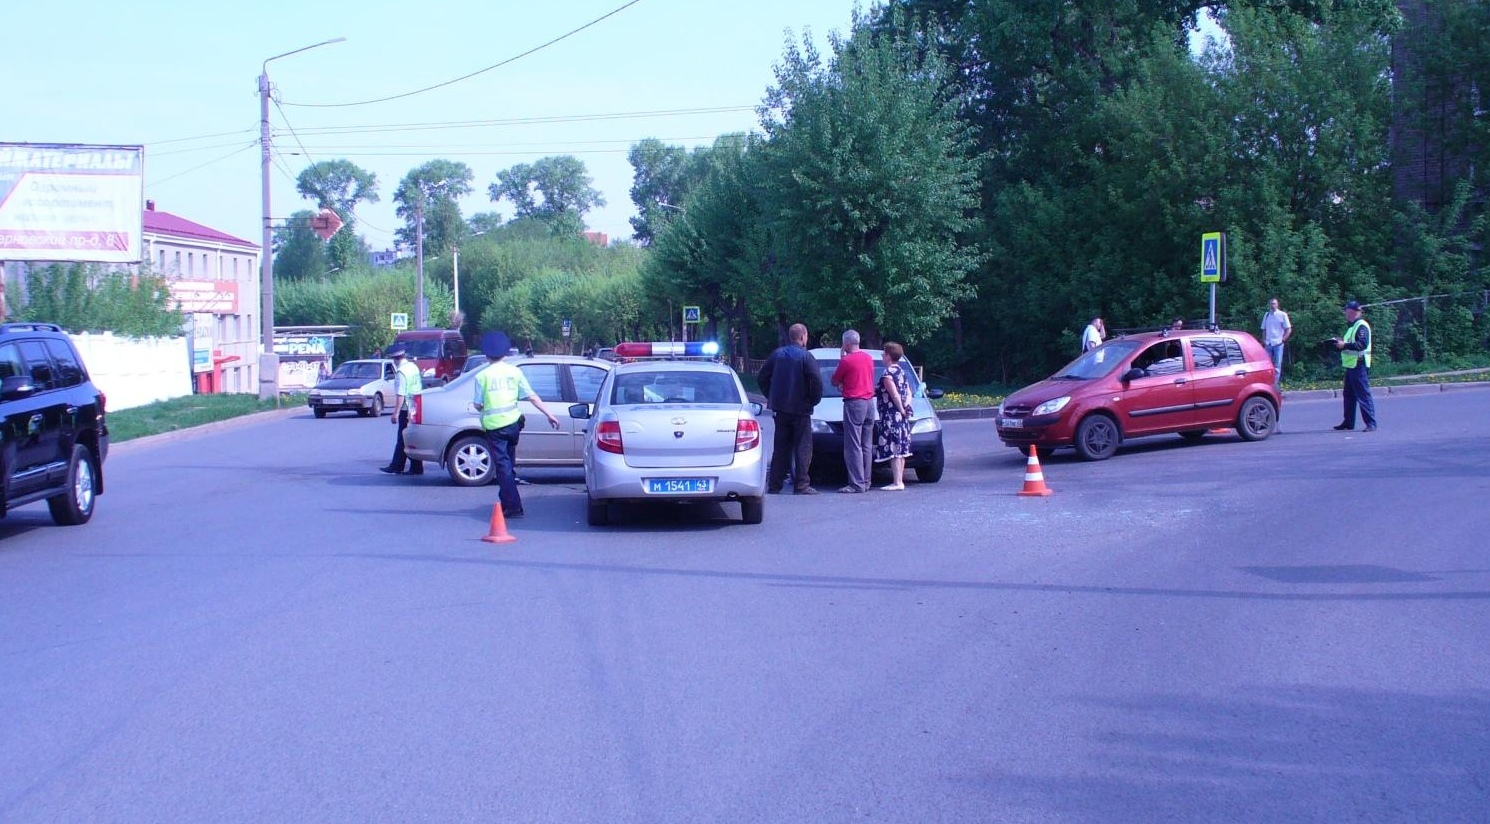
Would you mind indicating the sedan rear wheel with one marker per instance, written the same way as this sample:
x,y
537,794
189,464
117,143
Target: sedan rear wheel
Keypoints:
x,y
1257,419
752,510
597,513
470,462
1097,438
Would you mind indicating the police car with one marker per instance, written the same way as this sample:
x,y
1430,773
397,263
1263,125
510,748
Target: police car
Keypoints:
x,y
672,425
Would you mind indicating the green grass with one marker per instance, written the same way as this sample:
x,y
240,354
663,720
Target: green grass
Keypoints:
x,y
187,412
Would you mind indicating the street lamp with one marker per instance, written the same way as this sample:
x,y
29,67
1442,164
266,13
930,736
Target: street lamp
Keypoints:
x,y
268,362
455,270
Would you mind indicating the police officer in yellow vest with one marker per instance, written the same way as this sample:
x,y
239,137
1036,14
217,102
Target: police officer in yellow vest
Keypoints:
x,y
407,382
1355,356
498,388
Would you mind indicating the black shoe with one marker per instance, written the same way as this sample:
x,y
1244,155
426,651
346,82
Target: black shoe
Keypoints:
x,y
776,491
415,472
1343,428
512,513
390,470
1371,428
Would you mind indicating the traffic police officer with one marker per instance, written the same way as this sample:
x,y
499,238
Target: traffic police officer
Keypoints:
x,y
498,389
407,382
1355,356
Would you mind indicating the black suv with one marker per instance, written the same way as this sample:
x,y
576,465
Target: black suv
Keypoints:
x,y
53,437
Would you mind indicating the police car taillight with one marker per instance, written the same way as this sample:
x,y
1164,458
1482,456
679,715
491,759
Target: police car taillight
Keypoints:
x,y
608,437
747,434
417,416
668,349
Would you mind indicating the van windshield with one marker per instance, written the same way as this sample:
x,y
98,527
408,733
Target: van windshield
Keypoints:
x,y
828,367
426,348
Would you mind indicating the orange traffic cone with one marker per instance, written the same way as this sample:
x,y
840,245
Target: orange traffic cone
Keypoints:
x,y
498,533
1034,479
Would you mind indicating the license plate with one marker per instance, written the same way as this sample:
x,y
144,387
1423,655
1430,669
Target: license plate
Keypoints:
x,y
674,486
1011,423
330,401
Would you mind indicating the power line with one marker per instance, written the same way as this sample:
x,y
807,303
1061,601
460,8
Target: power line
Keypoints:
x,y
520,121
237,151
610,13
545,146
200,137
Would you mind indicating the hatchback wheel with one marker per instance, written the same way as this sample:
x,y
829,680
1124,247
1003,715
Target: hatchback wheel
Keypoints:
x,y
319,412
1257,419
470,462
1097,438
75,506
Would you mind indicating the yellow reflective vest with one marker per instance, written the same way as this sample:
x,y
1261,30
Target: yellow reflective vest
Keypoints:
x,y
498,388
1350,357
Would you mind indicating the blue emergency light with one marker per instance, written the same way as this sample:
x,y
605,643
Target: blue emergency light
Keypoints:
x,y
668,349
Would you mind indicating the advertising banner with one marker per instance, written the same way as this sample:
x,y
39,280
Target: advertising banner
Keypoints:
x,y
71,202
219,297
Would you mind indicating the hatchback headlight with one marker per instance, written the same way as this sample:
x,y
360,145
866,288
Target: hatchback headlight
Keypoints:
x,y
1051,407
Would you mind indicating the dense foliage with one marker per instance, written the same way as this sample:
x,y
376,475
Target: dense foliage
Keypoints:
x,y
82,297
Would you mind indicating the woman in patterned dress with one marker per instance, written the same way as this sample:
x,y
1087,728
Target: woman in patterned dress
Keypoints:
x,y
892,431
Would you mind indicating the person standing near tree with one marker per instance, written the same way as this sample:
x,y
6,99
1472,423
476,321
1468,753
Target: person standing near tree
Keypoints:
x,y
854,378
407,383
498,388
793,386
1091,338
1276,330
1355,356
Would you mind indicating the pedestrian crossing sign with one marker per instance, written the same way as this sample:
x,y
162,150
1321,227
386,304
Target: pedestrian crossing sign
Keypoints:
x,y
1213,257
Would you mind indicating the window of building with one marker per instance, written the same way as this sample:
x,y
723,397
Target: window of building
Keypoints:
x,y
178,262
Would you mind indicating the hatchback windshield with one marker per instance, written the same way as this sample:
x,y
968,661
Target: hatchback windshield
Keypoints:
x,y
1097,363
829,367
359,369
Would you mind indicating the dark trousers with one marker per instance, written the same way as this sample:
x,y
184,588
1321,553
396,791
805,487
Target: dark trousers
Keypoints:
x,y
399,457
791,449
1358,393
503,446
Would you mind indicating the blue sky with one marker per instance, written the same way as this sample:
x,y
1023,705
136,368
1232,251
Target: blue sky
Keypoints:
x,y
181,78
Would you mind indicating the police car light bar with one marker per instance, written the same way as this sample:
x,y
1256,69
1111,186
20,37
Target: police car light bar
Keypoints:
x,y
668,349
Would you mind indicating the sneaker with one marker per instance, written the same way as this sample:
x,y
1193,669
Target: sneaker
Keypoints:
x,y
851,490
1343,428
807,490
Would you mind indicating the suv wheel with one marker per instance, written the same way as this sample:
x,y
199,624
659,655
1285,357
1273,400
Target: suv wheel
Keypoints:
x,y
932,472
1097,437
1256,420
470,461
75,506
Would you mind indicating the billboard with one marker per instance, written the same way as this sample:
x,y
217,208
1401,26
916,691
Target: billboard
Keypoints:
x,y
71,202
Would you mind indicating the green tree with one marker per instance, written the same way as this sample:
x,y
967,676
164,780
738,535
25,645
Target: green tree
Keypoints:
x,y
435,187
298,251
554,190
339,185
872,178
662,176
82,297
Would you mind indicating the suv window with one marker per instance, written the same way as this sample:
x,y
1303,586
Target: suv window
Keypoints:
x,y
1219,351
40,365
10,361
69,370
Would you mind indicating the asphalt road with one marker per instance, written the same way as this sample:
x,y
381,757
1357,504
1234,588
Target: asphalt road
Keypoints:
x,y
257,626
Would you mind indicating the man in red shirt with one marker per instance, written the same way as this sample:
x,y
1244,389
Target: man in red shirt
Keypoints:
x,y
854,378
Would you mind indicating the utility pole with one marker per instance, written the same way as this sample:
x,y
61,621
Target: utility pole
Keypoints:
x,y
268,361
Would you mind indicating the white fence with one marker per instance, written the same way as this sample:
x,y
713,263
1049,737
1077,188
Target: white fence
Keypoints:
x,y
136,371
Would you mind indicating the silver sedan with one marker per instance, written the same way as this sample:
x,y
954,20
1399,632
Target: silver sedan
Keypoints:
x,y
445,428
678,431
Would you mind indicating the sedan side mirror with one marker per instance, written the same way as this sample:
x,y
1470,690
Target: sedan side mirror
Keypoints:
x,y
1132,374
934,393
580,411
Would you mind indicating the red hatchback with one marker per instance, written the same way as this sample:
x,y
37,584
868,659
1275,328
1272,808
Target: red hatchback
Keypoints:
x,y
1185,382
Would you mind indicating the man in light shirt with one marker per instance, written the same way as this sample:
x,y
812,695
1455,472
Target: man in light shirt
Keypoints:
x,y
1276,330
